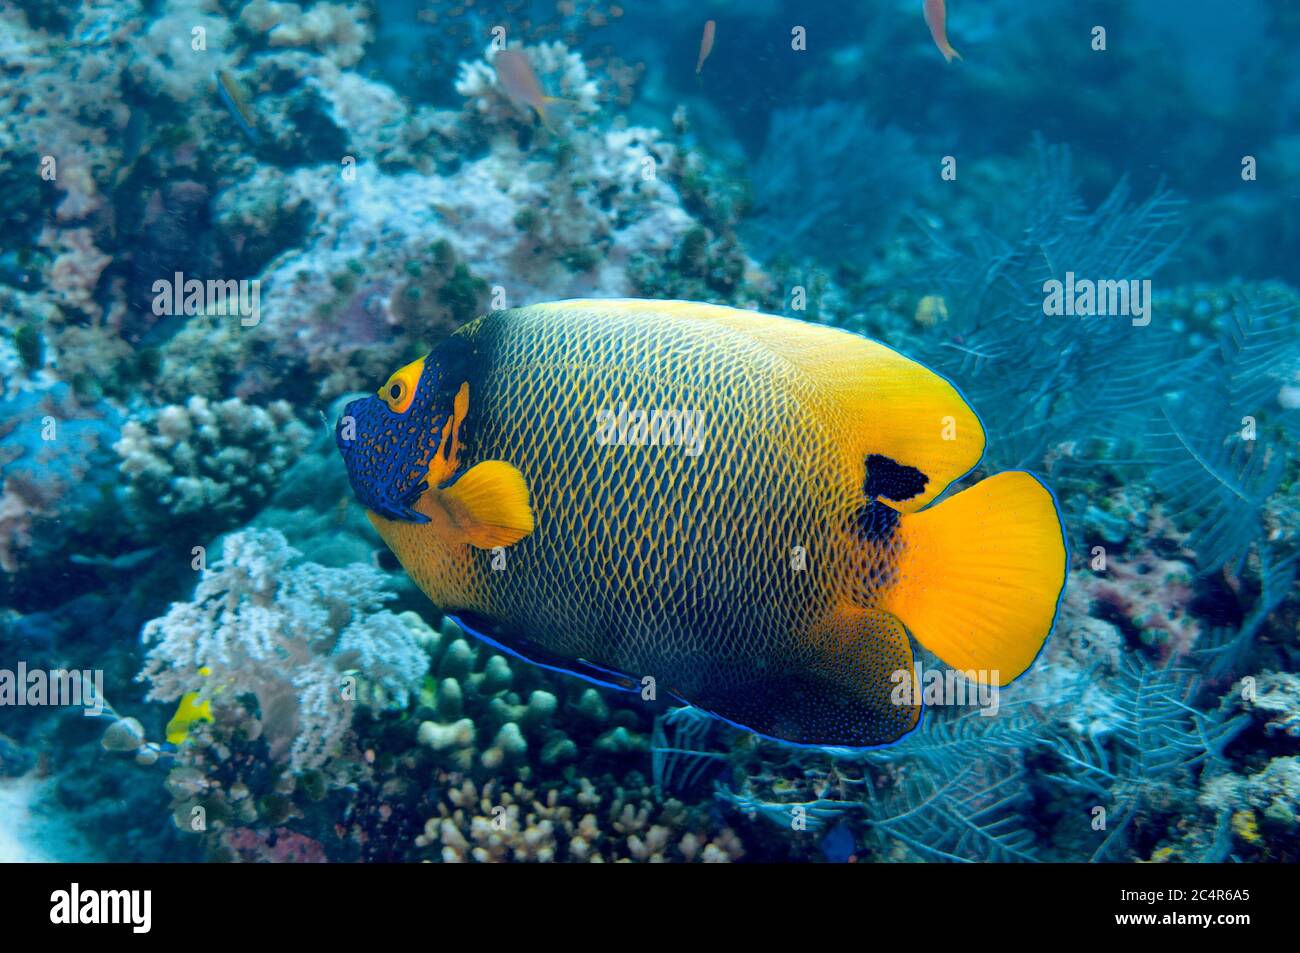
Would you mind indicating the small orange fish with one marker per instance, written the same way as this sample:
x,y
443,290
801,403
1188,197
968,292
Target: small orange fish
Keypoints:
x,y
516,76
936,18
706,45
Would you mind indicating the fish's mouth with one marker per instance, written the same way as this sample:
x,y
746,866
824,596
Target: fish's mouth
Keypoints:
x,y
364,462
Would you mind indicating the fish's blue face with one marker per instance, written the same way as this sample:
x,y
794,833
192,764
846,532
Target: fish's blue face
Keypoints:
x,y
389,440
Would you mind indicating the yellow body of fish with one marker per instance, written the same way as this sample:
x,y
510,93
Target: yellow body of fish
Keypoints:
x,y
761,563
189,712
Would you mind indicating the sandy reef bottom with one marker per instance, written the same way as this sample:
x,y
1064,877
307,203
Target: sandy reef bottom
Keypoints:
x,y
32,830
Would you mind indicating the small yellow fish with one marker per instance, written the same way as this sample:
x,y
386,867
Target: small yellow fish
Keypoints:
x,y
517,79
936,18
736,509
188,713
706,45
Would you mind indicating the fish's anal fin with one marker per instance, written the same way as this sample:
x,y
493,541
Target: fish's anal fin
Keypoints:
x,y
487,505
852,688
980,575
485,631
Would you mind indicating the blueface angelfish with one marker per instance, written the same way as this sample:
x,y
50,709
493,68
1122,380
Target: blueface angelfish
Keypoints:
x,y
772,577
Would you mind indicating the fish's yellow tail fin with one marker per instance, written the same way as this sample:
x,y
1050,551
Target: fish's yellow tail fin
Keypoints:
x,y
980,575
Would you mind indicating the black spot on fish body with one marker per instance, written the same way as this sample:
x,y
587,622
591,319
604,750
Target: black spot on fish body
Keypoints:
x,y
891,480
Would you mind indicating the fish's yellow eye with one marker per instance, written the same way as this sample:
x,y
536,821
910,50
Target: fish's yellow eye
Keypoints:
x,y
400,389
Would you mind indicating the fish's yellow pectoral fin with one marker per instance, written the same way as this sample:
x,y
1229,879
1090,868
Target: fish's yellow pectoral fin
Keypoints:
x,y
488,505
981,574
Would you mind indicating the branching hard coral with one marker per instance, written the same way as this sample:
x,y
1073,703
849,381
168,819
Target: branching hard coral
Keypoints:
x,y
207,464
487,720
496,823
561,71
291,636
338,30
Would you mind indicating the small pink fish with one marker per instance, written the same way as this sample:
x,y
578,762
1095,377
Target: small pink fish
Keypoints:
x,y
516,76
706,45
936,18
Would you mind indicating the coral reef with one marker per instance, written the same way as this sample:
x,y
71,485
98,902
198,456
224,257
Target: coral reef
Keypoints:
x,y
363,164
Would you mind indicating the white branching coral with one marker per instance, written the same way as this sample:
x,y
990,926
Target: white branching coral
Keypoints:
x,y
338,30
297,636
211,462
561,73
181,51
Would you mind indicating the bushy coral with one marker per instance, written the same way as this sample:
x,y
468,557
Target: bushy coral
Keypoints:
x,y
289,635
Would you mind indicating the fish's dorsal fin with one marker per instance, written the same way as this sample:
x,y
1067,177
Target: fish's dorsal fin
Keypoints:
x,y
896,408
